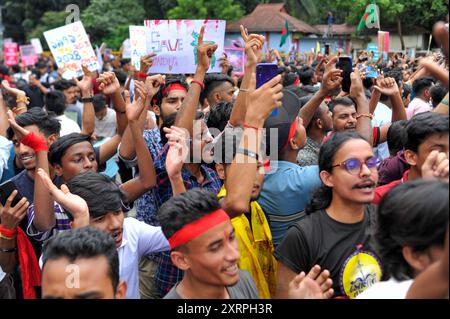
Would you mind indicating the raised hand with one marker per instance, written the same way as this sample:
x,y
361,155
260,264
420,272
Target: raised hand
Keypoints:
x,y
147,62
72,203
332,78
178,151
315,285
205,51
109,83
386,86
254,44
11,216
134,110
357,87
225,64
12,91
85,84
19,131
154,83
436,167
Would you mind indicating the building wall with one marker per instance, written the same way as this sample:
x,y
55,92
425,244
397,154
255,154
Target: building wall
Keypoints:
x,y
418,41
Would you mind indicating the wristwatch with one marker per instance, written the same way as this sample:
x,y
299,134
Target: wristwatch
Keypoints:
x,y
88,99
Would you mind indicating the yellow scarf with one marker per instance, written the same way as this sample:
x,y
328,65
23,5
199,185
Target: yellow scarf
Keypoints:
x,y
256,248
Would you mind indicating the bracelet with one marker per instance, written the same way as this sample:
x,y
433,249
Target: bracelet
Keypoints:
x,y
8,234
370,116
36,142
88,99
8,250
6,237
248,153
142,75
23,99
253,127
202,85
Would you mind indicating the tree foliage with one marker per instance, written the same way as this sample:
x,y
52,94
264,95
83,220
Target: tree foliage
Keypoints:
x,y
206,9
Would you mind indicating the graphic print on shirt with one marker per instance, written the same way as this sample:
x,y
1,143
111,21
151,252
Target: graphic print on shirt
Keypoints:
x,y
361,270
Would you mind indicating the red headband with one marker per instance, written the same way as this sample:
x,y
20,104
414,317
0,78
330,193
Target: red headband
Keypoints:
x,y
197,227
292,132
173,87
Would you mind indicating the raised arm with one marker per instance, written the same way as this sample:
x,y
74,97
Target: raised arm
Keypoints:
x,y
179,149
3,116
331,80
44,218
147,175
364,118
242,172
186,114
19,95
85,85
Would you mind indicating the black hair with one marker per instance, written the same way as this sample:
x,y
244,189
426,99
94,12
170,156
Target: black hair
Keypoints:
x,y
60,146
345,101
423,125
306,74
41,64
121,76
45,121
99,102
186,208
213,81
85,242
124,61
101,194
438,93
396,137
407,89
220,115
323,195
55,101
228,143
63,84
289,79
421,84
170,79
413,214
397,75
317,114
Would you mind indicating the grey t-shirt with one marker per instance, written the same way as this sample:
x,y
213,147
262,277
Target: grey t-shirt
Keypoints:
x,y
244,289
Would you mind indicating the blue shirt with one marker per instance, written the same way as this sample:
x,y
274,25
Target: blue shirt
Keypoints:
x,y
285,195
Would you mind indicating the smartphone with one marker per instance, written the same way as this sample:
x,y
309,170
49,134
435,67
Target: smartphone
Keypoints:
x,y
345,64
264,73
327,49
5,191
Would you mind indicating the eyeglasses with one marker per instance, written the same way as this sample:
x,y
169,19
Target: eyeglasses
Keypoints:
x,y
353,165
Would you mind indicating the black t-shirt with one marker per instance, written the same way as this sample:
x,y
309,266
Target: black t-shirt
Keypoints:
x,y
343,249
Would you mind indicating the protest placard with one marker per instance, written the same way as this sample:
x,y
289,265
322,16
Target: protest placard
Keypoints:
x,y
175,43
36,42
71,48
28,54
11,53
383,41
373,47
126,49
236,56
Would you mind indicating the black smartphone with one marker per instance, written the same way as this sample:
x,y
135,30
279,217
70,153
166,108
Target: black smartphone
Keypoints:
x,y
345,64
327,49
5,191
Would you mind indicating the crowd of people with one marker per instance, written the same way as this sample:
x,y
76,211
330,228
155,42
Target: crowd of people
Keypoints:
x,y
128,184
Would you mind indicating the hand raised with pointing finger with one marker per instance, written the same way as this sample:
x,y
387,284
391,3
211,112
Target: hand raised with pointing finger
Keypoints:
x,y
205,51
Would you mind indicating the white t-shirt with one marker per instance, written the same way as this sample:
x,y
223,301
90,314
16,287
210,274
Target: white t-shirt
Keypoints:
x,y
381,117
391,289
68,126
107,126
2,274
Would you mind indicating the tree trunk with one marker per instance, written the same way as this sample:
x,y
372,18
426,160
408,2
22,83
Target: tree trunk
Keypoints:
x,y
399,29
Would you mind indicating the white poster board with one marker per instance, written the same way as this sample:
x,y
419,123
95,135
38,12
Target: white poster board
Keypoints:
x,y
36,42
175,43
71,48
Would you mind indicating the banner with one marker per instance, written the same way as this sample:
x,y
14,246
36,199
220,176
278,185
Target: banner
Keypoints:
x,y
28,54
36,42
11,53
126,49
236,56
175,43
383,41
373,47
71,48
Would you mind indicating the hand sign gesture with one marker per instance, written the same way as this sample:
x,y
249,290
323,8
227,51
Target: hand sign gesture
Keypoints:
x,y
332,78
85,84
72,203
205,51
178,151
254,44
109,83
134,110
154,83
386,86
19,131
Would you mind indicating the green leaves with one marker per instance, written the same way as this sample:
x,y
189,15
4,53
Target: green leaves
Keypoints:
x,y
206,9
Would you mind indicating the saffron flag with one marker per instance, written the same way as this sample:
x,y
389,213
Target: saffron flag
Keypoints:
x,y
371,17
284,33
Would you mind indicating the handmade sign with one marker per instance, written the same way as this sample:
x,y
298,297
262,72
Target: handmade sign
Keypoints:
x,y
71,49
236,56
175,44
383,41
28,55
11,53
36,42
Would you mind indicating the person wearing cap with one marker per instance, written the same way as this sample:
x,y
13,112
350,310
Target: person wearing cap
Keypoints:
x,y
288,187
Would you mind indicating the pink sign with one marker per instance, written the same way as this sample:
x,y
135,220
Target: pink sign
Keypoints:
x,y
10,50
383,41
28,54
236,56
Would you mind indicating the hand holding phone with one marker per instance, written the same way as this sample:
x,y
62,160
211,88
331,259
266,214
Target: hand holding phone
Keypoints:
x,y
6,190
264,73
14,206
345,64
